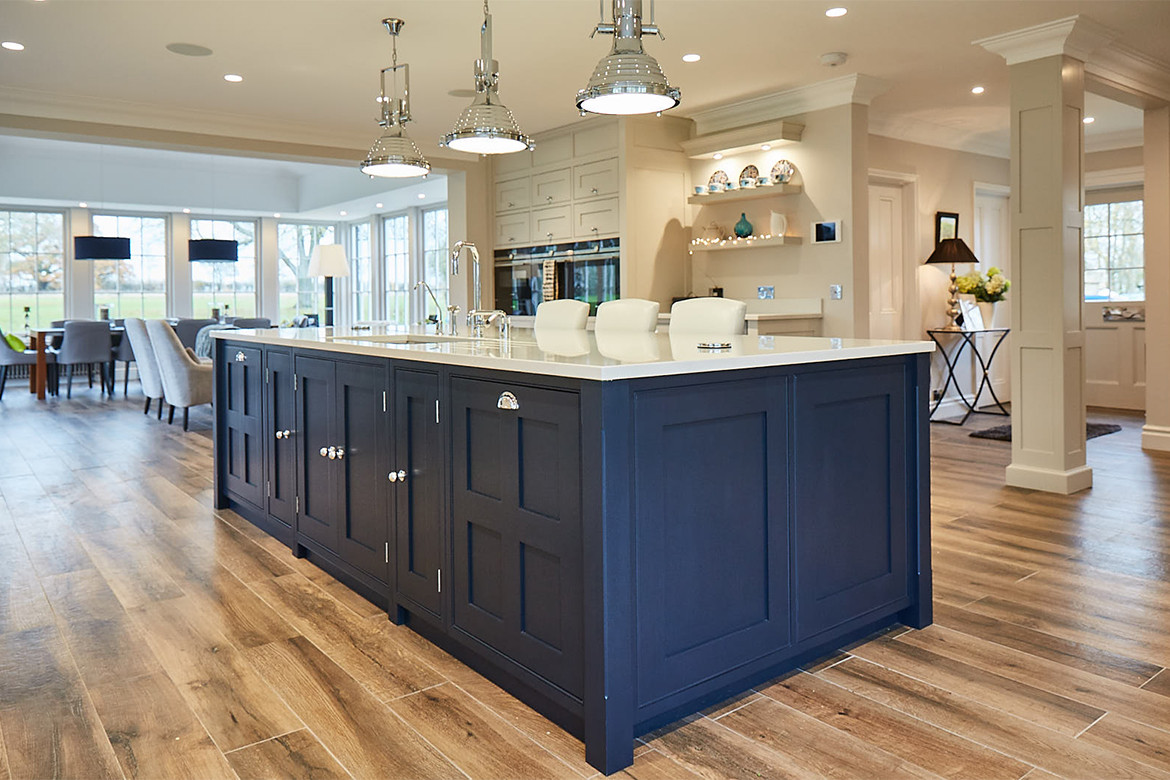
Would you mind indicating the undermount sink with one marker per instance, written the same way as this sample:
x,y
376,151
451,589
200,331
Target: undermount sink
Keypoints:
x,y
404,338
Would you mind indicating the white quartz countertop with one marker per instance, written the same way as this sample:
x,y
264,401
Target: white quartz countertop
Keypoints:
x,y
581,354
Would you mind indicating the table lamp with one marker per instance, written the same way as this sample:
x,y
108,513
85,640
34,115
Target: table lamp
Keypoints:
x,y
952,250
328,260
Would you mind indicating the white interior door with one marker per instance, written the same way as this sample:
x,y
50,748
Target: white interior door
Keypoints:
x,y
886,262
993,248
1115,358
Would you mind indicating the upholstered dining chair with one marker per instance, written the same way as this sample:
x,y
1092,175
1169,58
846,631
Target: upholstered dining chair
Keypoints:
x,y
10,357
565,314
86,343
708,316
148,373
186,381
123,352
627,314
187,330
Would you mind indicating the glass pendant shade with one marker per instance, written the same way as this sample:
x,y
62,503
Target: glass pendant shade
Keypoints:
x,y
487,126
627,80
395,156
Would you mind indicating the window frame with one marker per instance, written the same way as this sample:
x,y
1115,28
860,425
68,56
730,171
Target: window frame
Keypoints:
x,y
1109,236
257,262
168,259
66,266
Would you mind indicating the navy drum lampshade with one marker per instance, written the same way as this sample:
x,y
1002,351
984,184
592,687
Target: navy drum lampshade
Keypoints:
x,y
101,248
213,250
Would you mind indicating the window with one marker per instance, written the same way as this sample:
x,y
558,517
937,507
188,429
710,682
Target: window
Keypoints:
x,y
396,241
32,268
225,284
360,282
136,287
435,255
1114,252
299,292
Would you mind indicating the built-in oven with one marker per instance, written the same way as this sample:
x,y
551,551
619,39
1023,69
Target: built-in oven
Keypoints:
x,y
585,271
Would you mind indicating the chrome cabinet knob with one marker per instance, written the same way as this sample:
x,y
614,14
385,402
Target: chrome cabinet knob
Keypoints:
x,y
241,357
593,229
508,401
397,476
511,204
594,190
549,234
332,453
324,451
282,434
549,199
340,453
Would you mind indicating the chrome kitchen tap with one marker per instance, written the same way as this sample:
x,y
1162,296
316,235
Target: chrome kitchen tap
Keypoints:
x,y
439,317
477,316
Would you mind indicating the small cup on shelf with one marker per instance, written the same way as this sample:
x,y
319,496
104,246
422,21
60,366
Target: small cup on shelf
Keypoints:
x,y
763,181
714,187
700,189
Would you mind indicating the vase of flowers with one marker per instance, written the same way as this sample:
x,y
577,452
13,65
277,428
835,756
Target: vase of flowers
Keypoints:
x,y
988,289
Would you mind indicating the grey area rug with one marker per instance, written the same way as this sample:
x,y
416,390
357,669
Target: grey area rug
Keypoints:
x,y
1004,432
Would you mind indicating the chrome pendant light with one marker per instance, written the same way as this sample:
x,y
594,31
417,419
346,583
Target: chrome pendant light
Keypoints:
x,y
487,126
394,155
628,80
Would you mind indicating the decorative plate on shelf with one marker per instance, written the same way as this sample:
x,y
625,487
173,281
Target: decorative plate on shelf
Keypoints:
x,y
782,172
750,172
719,177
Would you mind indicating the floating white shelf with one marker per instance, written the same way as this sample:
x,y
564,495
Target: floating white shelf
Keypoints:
x,y
751,193
752,242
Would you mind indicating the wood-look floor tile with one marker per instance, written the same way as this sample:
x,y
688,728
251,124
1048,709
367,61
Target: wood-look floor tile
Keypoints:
x,y
1000,730
365,649
1139,741
108,649
1063,651
22,602
295,756
238,554
171,501
234,704
652,765
82,595
708,749
132,573
154,732
819,749
53,547
1159,684
717,711
917,741
366,737
469,734
5,774
1036,704
824,662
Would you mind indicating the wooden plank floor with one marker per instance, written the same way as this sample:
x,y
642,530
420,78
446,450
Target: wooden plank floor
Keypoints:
x,y
144,635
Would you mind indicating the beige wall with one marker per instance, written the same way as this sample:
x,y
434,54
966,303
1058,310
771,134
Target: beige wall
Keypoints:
x,y
824,160
946,182
1114,158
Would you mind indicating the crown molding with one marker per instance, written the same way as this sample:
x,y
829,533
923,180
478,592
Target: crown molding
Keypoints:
x,y
1118,139
842,91
1131,71
1117,177
931,134
1074,36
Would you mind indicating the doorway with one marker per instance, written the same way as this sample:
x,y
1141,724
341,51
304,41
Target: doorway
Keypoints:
x,y
893,298
992,234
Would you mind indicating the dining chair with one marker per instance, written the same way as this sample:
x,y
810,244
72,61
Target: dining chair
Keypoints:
x,y
86,343
627,314
11,357
187,330
708,316
148,373
565,314
123,351
186,381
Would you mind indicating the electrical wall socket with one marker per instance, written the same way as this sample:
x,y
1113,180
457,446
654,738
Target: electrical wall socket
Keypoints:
x,y
835,292
766,292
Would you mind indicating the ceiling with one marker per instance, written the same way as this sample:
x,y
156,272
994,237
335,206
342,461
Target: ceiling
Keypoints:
x,y
310,67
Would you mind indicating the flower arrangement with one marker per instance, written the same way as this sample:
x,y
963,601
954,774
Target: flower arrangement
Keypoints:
x,y
987,289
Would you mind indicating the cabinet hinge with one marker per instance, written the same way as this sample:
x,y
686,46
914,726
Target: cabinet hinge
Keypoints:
x,y
298,505
440,579
269,484
436,411
294,382
387,552
267,376
383,400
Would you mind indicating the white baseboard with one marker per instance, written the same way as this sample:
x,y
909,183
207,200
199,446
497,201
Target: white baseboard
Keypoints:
x,y
1156,437
1049,480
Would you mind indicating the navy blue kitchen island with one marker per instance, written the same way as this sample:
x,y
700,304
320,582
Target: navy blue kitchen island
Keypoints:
x,y
619,534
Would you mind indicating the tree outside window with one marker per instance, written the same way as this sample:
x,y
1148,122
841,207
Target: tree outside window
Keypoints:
x,y
136,287
299,292
1114,252
360,280
231,284
32,268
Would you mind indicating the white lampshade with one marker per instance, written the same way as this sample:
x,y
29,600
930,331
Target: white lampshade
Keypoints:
x,y
328,260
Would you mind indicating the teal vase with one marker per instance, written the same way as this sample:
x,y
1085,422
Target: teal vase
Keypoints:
x,y
743,228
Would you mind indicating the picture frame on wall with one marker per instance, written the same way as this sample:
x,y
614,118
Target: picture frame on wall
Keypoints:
x,y
946,225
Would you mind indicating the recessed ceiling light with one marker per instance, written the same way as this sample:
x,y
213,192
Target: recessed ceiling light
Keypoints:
x,y
12,46
717,156
189,49
691,58
233,78
833,13
83,205
345,213
421,195
186,211
976,90
276,215
765,147
377,205
1089,120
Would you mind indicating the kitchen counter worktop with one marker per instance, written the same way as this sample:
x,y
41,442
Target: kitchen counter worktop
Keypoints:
x,y
581,354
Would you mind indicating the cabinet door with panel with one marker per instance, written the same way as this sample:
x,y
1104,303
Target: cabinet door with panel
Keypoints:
x,y
711,485
242,398
316,406
517,579
596,218
552,224
280,427
512,229
851,494
513,194
362,442
595,179
416,488
552,187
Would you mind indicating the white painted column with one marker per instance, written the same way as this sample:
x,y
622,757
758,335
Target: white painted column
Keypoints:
x,y
1156,194
78,273
179,278
268,285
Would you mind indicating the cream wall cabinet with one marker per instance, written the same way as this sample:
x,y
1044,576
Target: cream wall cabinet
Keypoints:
x,y
513,194
551,188
595,179
596,219
552,224
512,229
